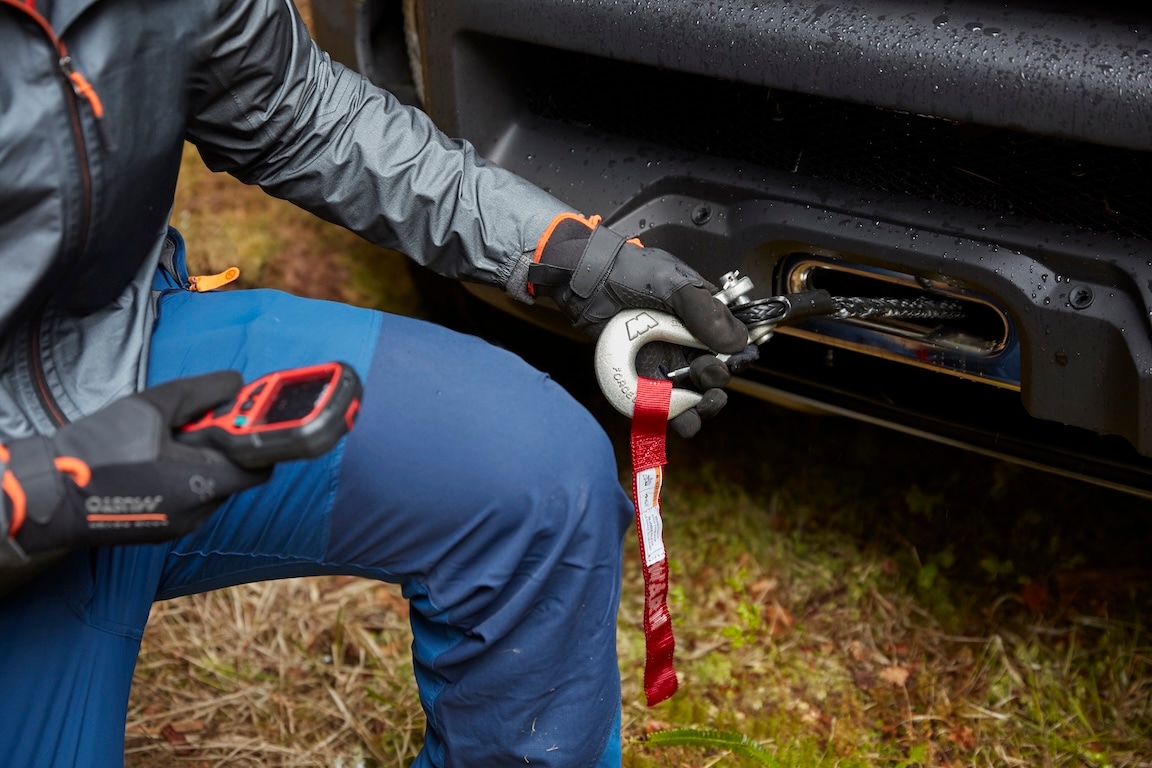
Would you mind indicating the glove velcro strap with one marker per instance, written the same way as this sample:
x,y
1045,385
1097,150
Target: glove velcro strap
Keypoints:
x,y
546,275
33,463
565,227
596,263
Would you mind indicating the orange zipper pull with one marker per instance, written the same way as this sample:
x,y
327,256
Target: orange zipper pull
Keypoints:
x,y
202,283
81,86
84,90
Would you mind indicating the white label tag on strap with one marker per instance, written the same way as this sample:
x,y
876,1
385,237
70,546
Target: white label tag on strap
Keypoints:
x,y
648,504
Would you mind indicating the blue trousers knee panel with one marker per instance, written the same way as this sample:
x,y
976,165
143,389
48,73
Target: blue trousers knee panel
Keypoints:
x,y
471,480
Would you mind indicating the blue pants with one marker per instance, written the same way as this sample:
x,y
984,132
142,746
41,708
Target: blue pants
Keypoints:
x,y
472,480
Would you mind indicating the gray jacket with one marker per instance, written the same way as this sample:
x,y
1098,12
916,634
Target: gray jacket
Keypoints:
x,y
85,200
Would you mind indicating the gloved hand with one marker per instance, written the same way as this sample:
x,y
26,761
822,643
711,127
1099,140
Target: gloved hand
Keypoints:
x,y
119,476
592,273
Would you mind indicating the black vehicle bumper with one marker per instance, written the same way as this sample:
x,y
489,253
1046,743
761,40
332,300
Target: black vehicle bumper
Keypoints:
x,y
994,154
1067,368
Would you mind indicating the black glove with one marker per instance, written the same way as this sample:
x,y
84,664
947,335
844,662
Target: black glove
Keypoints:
x,y
592,273
119,476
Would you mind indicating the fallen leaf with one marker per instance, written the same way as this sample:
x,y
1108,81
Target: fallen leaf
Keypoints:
x,y
778,617
895,675
173,736
857,650
863,678
762,586
963,737
1035,596
178,741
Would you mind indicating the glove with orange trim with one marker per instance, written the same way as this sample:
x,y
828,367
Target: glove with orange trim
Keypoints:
x,y
592,273
119,476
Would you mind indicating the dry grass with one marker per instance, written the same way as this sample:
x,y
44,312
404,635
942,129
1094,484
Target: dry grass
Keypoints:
x,y
843,596
833,650
300,672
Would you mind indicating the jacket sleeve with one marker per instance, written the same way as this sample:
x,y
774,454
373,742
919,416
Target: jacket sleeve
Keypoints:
x,y
272,109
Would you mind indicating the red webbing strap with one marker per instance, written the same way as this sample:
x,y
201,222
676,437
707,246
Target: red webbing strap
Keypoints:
x,y
649,427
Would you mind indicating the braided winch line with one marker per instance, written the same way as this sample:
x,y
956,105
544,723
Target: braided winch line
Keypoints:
x,y
910,309
858,307
762,311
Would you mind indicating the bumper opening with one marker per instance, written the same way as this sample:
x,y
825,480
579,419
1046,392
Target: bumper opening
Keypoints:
x,y
974,346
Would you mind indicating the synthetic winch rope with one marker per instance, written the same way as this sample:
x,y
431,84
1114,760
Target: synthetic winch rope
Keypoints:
x,y
774,310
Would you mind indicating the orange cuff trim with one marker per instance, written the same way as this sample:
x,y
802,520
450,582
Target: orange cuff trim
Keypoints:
x,y
15,491
78,470
11,486
589,221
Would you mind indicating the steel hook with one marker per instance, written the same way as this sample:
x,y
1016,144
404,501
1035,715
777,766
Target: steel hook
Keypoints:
x,y
616,350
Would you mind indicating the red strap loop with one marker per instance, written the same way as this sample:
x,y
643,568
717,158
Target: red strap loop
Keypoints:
x,y
649,429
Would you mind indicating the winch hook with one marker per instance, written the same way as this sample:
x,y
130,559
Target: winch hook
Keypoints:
x,y
628,331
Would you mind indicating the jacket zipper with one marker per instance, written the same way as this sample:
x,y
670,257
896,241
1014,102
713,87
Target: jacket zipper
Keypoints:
x,y
77,87
43,393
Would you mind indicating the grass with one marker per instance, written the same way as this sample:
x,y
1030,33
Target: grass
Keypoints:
x,y
842,596
851,598
830,646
